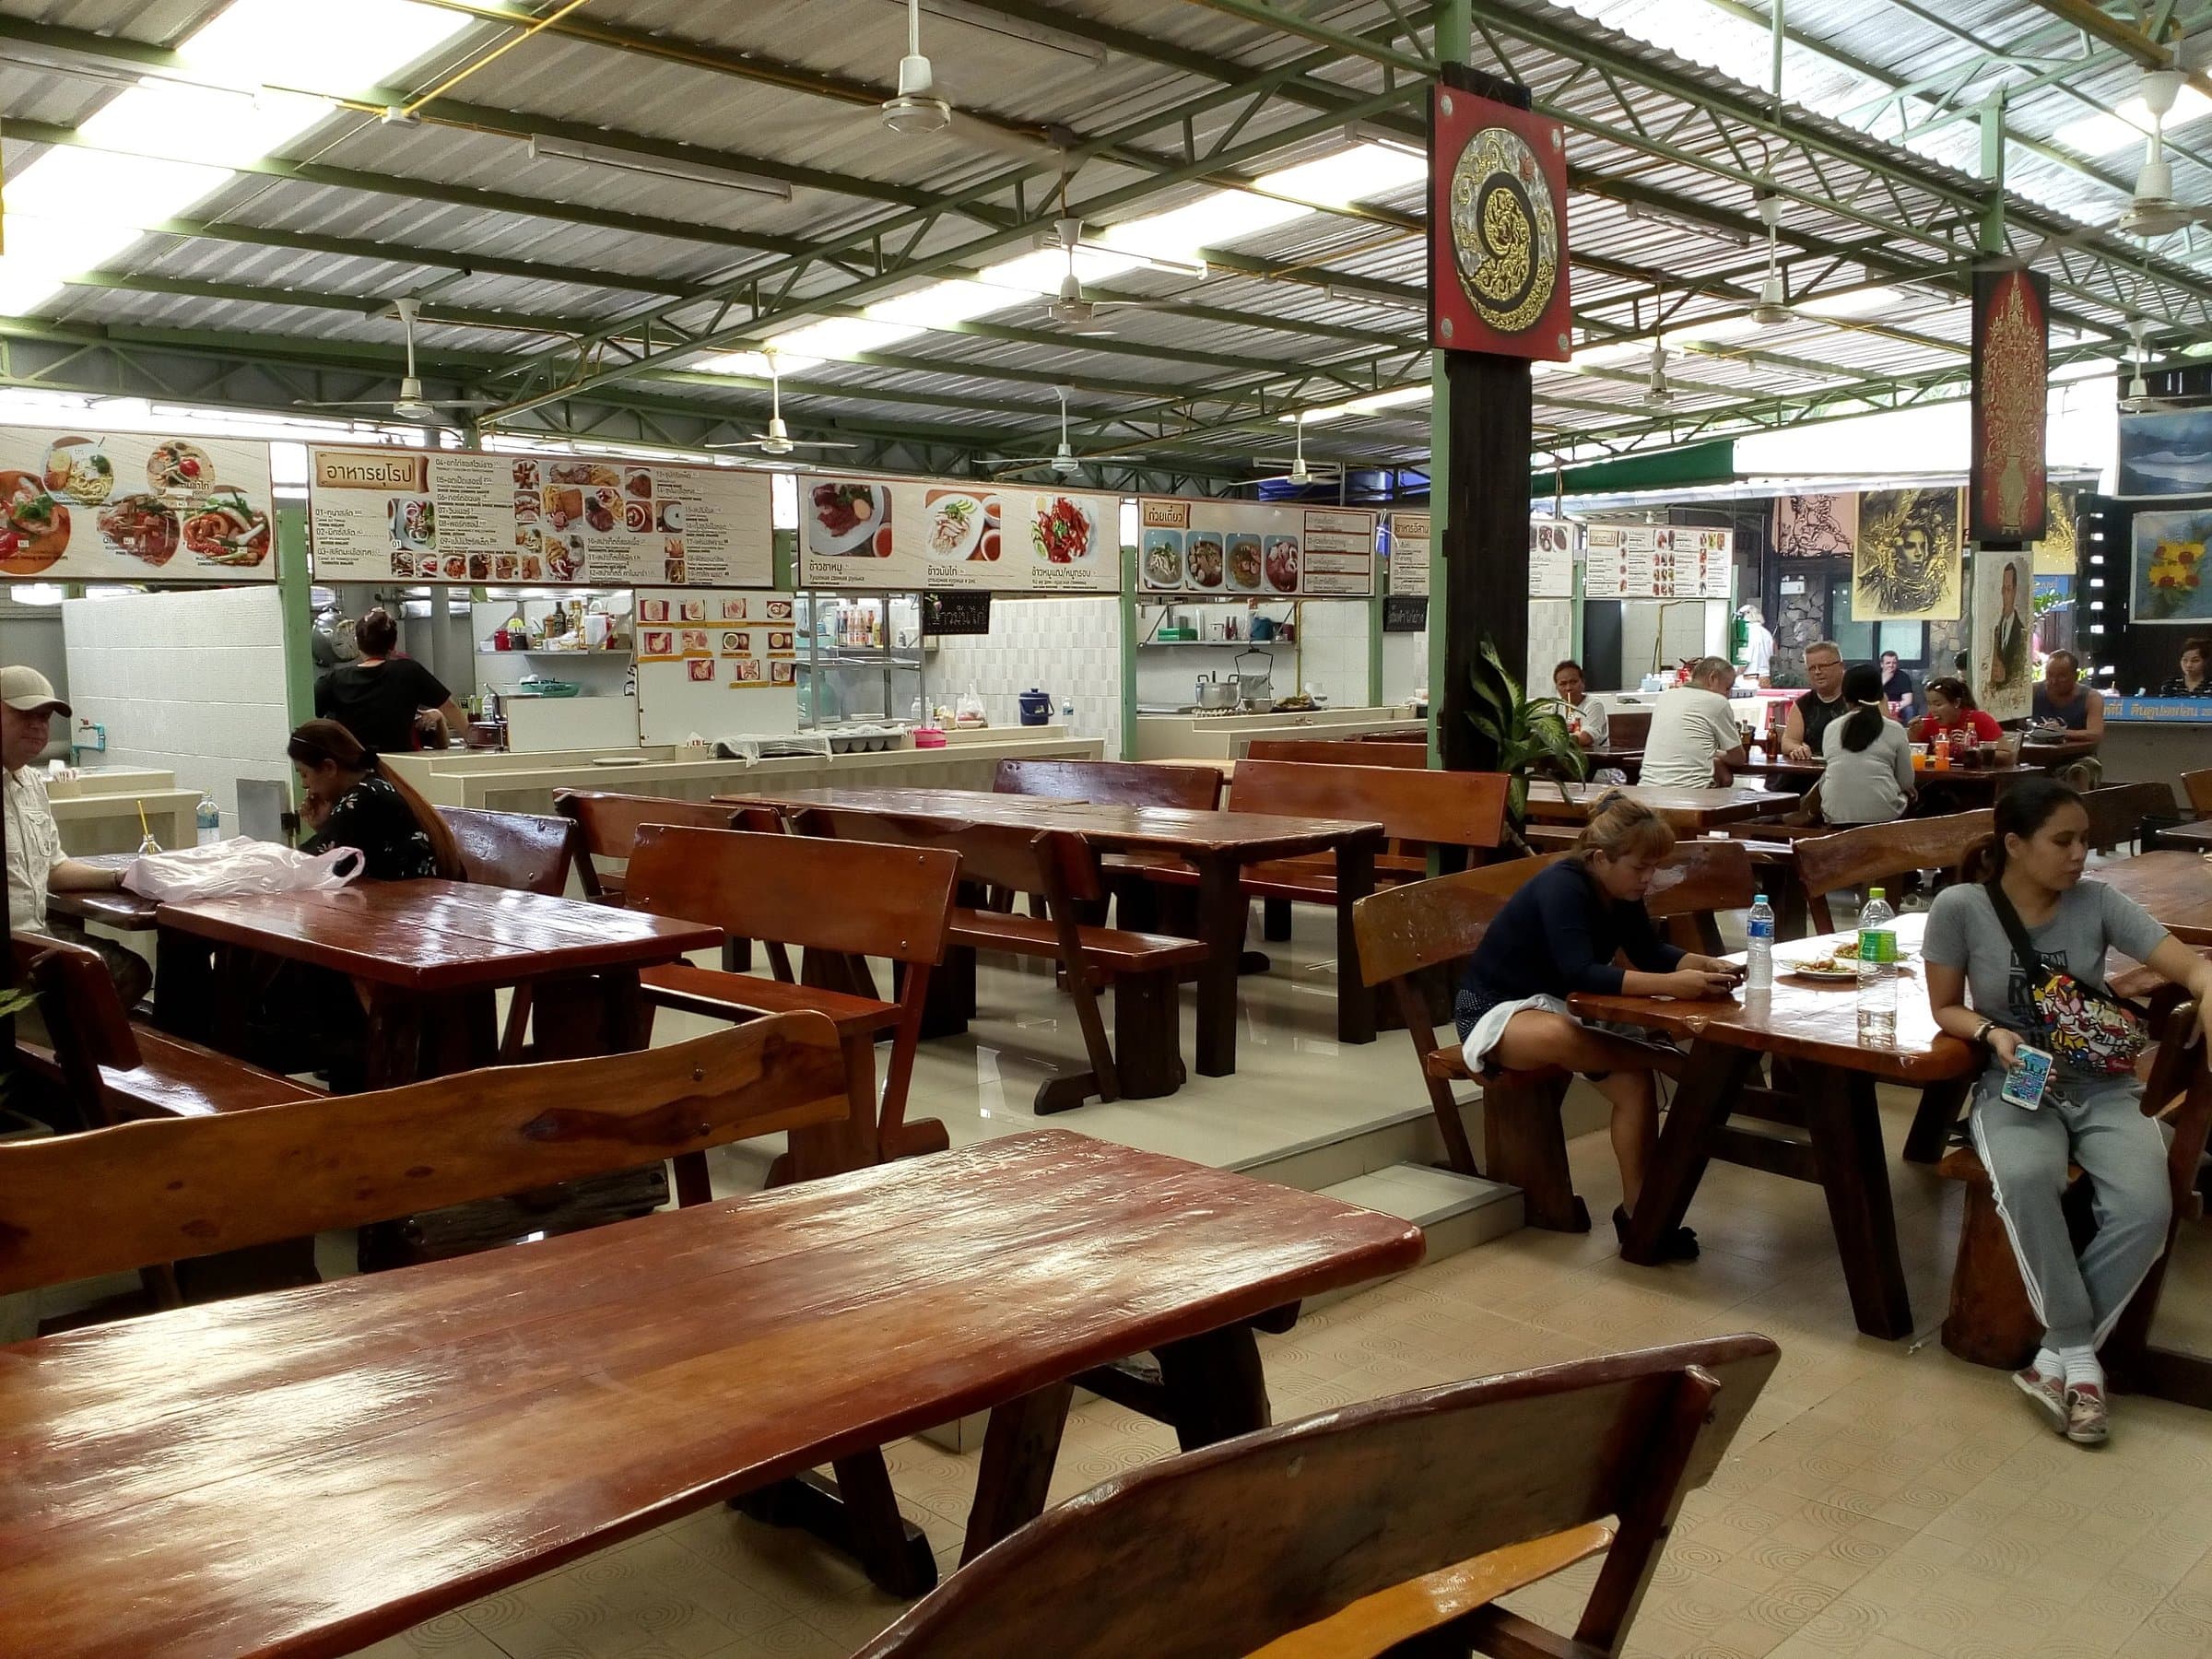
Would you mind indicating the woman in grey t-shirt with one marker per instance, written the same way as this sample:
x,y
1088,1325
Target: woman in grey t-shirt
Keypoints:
x,y
2035,859
1870,775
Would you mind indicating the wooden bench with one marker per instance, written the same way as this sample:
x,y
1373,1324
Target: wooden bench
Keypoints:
x,y
1134,783
1392,1526
2197,787
1060,868
2126,813
524,853
1346,751
607,826
1989,1321
1417,938
841,902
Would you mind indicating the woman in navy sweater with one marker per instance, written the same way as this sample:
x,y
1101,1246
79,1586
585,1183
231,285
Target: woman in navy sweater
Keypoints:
x,y
1560,935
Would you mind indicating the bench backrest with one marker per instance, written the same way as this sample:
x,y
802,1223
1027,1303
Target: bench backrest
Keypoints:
x,y
2197,787
167,1189
609,823
1880,852
1339,752
1627,728
1055,864
1439,808
848,896
1227,1550
1113,783
2117,812
84,1020
523,851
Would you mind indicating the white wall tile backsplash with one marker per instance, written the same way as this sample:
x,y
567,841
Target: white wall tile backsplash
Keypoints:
x,y
1550,640
1404,666
1068,647
189,682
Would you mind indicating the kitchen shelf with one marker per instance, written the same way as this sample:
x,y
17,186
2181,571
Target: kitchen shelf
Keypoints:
x,y
1216,644
616,651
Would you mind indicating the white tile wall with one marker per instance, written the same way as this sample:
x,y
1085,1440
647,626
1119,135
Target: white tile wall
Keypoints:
x,y
190,682
1404,666
1551,640
1068,647
1332,652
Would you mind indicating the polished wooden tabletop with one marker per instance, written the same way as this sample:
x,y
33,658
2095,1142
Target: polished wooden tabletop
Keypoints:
x,y
125,912
1684,808
2197,835
1248,835
1809,1019
308,1471
2174,886
433,935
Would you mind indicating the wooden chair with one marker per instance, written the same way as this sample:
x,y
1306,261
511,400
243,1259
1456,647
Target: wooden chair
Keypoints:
x,y
524,853
1627,728
607,825
1876,855
2197,786
1343,752
1129,783
1061,869
2124,814
1387,1527
1411,936
1989,1321
894,902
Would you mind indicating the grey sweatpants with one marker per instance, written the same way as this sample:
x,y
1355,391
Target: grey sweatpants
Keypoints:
x,y
2124,1154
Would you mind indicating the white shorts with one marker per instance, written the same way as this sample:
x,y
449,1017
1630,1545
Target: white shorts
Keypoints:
x,y
1489,1030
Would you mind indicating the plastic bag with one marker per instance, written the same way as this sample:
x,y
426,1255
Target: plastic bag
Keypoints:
x,y
239,865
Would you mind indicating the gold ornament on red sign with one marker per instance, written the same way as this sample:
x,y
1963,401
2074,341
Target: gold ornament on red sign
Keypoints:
x,y
1498,234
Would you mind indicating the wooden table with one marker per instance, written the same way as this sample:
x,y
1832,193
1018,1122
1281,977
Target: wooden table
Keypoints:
x,y
1696,810
309,1471
2195,835
2174,886
126,913
1960,788
1814,1026
427,955
1218,844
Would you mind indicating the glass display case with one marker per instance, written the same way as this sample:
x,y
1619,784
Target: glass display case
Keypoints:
x,y
860,658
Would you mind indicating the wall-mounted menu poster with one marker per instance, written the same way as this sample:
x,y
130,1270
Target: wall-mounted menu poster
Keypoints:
x,y
1551,558
913,533
1259,549
463,515
1408,559
1657,562
133,507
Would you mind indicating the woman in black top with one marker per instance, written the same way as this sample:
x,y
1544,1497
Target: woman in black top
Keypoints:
x,y
1559,935
2196,677
347,801
380,698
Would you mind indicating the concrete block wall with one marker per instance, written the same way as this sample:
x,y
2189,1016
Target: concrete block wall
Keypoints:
x,y
191,682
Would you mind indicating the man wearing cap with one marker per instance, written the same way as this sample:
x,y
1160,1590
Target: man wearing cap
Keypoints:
x,y
35,862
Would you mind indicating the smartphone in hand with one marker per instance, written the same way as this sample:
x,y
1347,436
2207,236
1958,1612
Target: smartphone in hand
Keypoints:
x,y
2029,1075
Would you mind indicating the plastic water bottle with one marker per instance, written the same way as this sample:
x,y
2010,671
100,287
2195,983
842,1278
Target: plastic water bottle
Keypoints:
x,y
208,820
1759,939
1878,970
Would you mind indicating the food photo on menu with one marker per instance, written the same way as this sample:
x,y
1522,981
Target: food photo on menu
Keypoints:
x,y
1065,532
671,518
747,671
961,526
1163,558
736,643
673,573
656,610
693,610
142,527
1206,559
849,520
779,610
656,642
700,668
733,610
1282,563
692,640
784,673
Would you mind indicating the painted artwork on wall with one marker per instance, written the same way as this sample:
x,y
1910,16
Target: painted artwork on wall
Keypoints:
x,y
2003,625
2167,452
1815,526
1906,567
2170,568
2056,552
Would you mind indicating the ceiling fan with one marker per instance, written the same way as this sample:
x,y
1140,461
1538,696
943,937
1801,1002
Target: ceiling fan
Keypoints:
x,y
2138,399
916,108
1063,460
1657,393
1299,472
410,404
2152,211
1071,305
777,439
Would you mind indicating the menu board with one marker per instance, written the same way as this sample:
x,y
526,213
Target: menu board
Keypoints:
x,y
1410,535
463,515
1254,547
913,533
741,641
1551,558
133,507
1657,562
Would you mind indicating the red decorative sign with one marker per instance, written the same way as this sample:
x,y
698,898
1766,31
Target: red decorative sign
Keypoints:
x,y
1497,228
2007,499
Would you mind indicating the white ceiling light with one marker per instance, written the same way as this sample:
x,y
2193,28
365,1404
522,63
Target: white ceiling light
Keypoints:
x,y
543,147
917,108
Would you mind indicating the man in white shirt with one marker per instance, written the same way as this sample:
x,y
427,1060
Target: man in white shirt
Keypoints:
x,y
1586,719
1693,735
36,863
1759,645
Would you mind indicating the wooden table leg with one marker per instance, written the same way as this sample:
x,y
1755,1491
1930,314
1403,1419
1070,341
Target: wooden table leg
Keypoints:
x,y
1019,1449
1221,917
183,984
1215,1386
1355,881
1712,1076
394,1046
1845,1127
1941,1104
859,1515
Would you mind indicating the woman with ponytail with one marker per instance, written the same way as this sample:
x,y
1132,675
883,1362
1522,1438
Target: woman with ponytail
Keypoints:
x,y
2014,957
1869,776
350,800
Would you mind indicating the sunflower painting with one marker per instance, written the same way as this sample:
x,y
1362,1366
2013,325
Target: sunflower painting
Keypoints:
x,y
2171,584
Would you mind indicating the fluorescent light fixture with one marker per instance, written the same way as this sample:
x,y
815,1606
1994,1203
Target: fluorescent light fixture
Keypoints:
x,y
545,147
162,144
1371,405
2128,123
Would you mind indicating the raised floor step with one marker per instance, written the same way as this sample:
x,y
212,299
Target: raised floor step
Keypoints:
x,y
1457,1212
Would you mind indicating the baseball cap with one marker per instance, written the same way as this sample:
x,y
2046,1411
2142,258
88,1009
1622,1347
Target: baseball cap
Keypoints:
x,y
29,691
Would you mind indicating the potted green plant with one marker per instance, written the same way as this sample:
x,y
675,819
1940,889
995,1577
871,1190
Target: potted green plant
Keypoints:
x,y
1525,733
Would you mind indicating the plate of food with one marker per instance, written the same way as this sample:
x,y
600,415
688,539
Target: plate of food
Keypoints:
x,y
637,483
526,475
1282,563
414,522
176,467
528,507
1163,559
637,517
79,469
1205,560
231,530
672,517
36,530
603,508
1244,564
1065,532
1831,967
143,527
479,567
850,518
956,526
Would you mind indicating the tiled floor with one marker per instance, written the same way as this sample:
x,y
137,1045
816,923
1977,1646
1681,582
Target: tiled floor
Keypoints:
x,y
1884,1499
